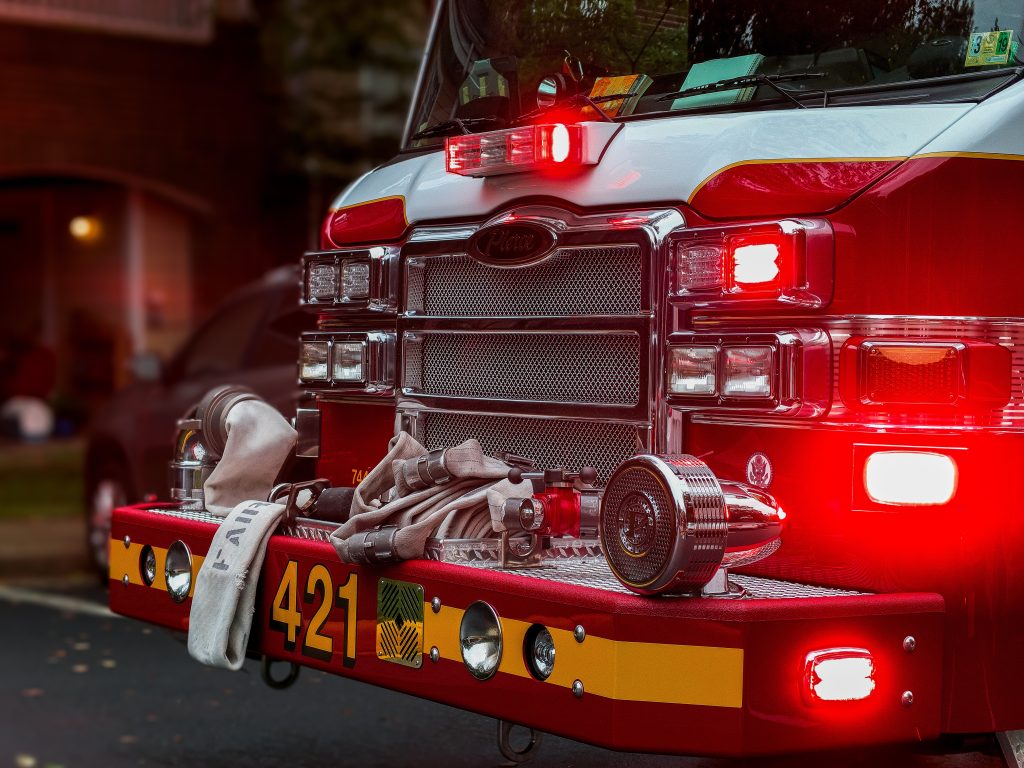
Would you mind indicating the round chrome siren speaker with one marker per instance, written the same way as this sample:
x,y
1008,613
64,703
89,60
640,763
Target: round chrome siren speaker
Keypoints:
x,y
664,525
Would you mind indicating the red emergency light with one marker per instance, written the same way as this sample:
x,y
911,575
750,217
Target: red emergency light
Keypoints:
x,y
910,478
928,374
528,148
838,674
788,261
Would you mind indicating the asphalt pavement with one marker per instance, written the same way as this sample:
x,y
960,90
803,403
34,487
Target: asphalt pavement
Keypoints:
x,y
81,688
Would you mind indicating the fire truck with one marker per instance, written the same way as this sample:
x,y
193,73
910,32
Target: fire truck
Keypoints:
x,y
733,287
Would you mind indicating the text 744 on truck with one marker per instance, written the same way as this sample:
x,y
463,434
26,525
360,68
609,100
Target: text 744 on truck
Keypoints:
x,y
670,373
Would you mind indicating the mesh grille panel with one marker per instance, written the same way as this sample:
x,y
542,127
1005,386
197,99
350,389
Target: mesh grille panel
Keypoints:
x,y
551,443
596,280
560,368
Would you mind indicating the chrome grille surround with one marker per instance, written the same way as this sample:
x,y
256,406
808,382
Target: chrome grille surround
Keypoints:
x,y
553,361
572,282
563,367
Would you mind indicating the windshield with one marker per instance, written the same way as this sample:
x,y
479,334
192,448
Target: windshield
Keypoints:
x,y
658,57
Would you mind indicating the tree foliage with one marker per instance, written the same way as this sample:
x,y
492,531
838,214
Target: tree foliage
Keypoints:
x,y
347,69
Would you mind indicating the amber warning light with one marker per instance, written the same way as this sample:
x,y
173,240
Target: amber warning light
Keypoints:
x,y
551,147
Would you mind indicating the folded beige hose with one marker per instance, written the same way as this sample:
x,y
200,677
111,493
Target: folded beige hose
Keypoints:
x,y
415,494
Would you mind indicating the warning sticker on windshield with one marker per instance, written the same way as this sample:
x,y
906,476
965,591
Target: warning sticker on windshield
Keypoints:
x,y
985,48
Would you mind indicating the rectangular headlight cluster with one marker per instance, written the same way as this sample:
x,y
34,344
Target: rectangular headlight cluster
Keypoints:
x,y
788,262
350,279
786,373
361,361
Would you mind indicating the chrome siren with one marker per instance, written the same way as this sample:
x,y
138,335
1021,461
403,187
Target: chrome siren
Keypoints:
x,y
668,525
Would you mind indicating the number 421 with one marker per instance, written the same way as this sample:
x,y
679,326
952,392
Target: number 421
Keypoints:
x,y
286,617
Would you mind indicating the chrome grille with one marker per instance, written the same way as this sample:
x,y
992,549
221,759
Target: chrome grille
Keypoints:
x,y
586,368
572,282
549,442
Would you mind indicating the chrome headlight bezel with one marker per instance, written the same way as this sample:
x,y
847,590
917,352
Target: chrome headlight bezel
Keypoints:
x,y
799,375
377,350
381,279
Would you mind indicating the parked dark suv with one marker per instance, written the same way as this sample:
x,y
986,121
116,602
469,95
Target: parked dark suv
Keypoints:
x,y
251,339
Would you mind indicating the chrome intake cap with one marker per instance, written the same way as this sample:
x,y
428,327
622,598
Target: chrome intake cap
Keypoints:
x,y
199,443
663,524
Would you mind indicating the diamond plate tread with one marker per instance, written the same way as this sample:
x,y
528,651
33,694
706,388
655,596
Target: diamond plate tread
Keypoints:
x,y
199,515
594,573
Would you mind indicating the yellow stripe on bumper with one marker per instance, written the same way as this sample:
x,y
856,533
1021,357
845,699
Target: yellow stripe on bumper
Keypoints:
x,y
616,669
125,561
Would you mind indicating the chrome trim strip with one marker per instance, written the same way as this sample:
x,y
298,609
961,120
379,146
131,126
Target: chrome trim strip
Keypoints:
x,y
307,428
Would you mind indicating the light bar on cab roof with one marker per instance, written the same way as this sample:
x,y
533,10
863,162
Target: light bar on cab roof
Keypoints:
x,y
552,147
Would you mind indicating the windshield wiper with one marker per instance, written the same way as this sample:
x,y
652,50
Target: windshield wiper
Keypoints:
x,y
457,127
747,81
576,101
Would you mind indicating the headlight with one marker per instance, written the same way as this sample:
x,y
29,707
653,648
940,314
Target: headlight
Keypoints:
x,y
322,282
356,361
313,361
693,370
147,565
540,652
178,571
355,280
748,372
347,360
480,640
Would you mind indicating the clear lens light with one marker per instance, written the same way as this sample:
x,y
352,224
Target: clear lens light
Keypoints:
x,y
756,264
910,478
347,361
541,652
355,280
693,370
313,361
559,143
840,674
480,640
699,267
322,282
178,571
747,372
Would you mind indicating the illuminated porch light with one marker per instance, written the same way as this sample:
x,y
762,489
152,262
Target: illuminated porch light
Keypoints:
x,y
85,229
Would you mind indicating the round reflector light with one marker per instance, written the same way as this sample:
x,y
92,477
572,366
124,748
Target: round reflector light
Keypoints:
x,y
480,640
540,652
178,571
147,565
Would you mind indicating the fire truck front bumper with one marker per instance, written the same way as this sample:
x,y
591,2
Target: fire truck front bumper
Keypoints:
x,y
787,668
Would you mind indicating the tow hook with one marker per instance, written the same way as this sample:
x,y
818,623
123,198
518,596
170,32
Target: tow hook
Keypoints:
x,y
517,756
278,683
